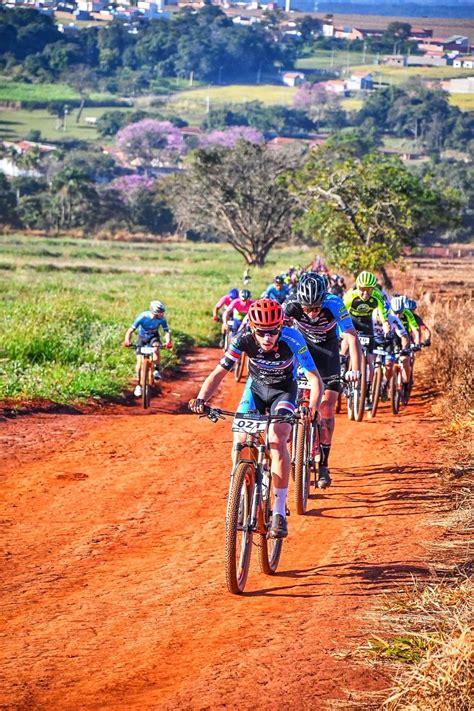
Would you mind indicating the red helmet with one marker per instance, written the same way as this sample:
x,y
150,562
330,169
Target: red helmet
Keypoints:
x,y
265,313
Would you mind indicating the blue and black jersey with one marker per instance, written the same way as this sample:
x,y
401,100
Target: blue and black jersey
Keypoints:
x,y
275,367
332,320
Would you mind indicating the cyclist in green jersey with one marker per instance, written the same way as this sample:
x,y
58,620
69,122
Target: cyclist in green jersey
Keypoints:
x,y
360,302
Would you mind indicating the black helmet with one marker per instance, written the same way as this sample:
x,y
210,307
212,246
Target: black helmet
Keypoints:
x,y
278,279
244,294
312,289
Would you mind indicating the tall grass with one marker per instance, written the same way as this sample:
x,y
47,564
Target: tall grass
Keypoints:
x,y
65,305
427,631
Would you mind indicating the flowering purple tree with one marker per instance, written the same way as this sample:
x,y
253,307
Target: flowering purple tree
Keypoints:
x,y
128,185
229,137
151,142
316,100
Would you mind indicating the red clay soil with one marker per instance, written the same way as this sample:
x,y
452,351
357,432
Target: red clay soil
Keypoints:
x,y
113,586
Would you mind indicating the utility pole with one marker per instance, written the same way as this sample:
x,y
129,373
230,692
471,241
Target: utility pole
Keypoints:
x,y
191,77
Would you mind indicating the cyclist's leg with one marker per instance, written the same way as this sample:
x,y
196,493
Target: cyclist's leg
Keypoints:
x,y
280,402
326,357
155,342
247,404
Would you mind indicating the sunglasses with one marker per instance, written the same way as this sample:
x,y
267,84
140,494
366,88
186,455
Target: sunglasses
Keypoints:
x,y
267,331
311,309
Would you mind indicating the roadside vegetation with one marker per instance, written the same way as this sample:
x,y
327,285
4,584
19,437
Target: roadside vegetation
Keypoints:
x,y
425,634
66,304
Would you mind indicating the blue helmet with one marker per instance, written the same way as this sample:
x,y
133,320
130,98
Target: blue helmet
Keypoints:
x,y
233,293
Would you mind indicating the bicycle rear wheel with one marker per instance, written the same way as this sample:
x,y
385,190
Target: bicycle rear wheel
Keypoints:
x,y
238,536
145,382
360,390
302,470
376,386
269,549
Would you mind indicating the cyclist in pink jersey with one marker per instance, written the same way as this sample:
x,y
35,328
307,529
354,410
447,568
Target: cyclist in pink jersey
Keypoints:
x,y
223,302
238,310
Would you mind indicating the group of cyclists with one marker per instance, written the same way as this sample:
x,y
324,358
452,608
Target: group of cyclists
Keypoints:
x,y
305,319
301,321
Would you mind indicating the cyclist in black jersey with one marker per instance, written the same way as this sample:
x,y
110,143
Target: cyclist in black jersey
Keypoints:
x,y
273,351
321,317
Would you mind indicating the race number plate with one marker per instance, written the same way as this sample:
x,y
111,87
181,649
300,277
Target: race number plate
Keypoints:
x,y
303,384
249,424
364,340
147,350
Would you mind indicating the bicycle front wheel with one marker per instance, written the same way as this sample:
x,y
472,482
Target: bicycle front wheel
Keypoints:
x,y
145,382
376,386
238,534
302,470
360,391
269,549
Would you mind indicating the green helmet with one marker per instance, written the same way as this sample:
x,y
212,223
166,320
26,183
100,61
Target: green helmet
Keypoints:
x,y
366,280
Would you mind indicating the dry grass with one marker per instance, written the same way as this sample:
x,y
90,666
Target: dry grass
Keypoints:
x,y
426,640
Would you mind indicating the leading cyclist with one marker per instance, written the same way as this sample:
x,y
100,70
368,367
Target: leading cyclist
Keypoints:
x,y
274,351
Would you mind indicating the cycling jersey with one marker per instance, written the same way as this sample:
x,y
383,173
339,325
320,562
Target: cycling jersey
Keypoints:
x,y
396,326
331,320
237,309
276,367
271,292
361,309
148,326
223,301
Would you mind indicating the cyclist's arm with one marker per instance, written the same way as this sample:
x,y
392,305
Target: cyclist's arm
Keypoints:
x,y
412,325
381,305
167,332
128,335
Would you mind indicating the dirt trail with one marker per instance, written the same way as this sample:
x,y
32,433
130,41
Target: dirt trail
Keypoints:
x,y
113,589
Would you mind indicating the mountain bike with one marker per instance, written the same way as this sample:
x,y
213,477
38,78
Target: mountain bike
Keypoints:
x,y
305,442
380,354
249,503
145,374
356,392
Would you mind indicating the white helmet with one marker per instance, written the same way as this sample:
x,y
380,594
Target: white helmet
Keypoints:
x,y
397,304
156,306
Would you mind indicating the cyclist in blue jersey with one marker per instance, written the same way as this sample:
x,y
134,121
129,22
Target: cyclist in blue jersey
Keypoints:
x,y
322,318
278,291
273,351
149,324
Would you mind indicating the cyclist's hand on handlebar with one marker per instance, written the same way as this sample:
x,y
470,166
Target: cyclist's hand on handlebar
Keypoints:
x,y
215,318
169,345
196,405
352,376
126,344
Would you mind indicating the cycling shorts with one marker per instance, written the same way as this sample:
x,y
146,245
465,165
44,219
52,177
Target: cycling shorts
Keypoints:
x,y
148,341
280,399
328,362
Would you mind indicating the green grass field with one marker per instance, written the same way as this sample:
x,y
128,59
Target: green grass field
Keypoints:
x,y
326,59
399,75
465,102
18,91
66,304
16,123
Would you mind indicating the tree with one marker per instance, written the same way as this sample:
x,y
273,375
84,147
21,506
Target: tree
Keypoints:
x,y
74,199
231,136
365,211
151,142
237,193
317,102
7,202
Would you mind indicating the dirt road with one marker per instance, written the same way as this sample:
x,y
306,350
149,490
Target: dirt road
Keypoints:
x,y
113,590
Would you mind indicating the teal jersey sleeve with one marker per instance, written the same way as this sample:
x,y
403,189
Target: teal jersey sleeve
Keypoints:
x,y
298,346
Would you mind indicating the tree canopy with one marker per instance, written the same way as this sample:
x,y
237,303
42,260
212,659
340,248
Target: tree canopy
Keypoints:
x,y
236,193
366,210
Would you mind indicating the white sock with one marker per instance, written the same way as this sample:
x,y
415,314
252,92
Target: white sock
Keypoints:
x,y
279,503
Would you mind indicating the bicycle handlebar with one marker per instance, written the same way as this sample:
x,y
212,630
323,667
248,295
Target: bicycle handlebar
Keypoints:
x,y
216,413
